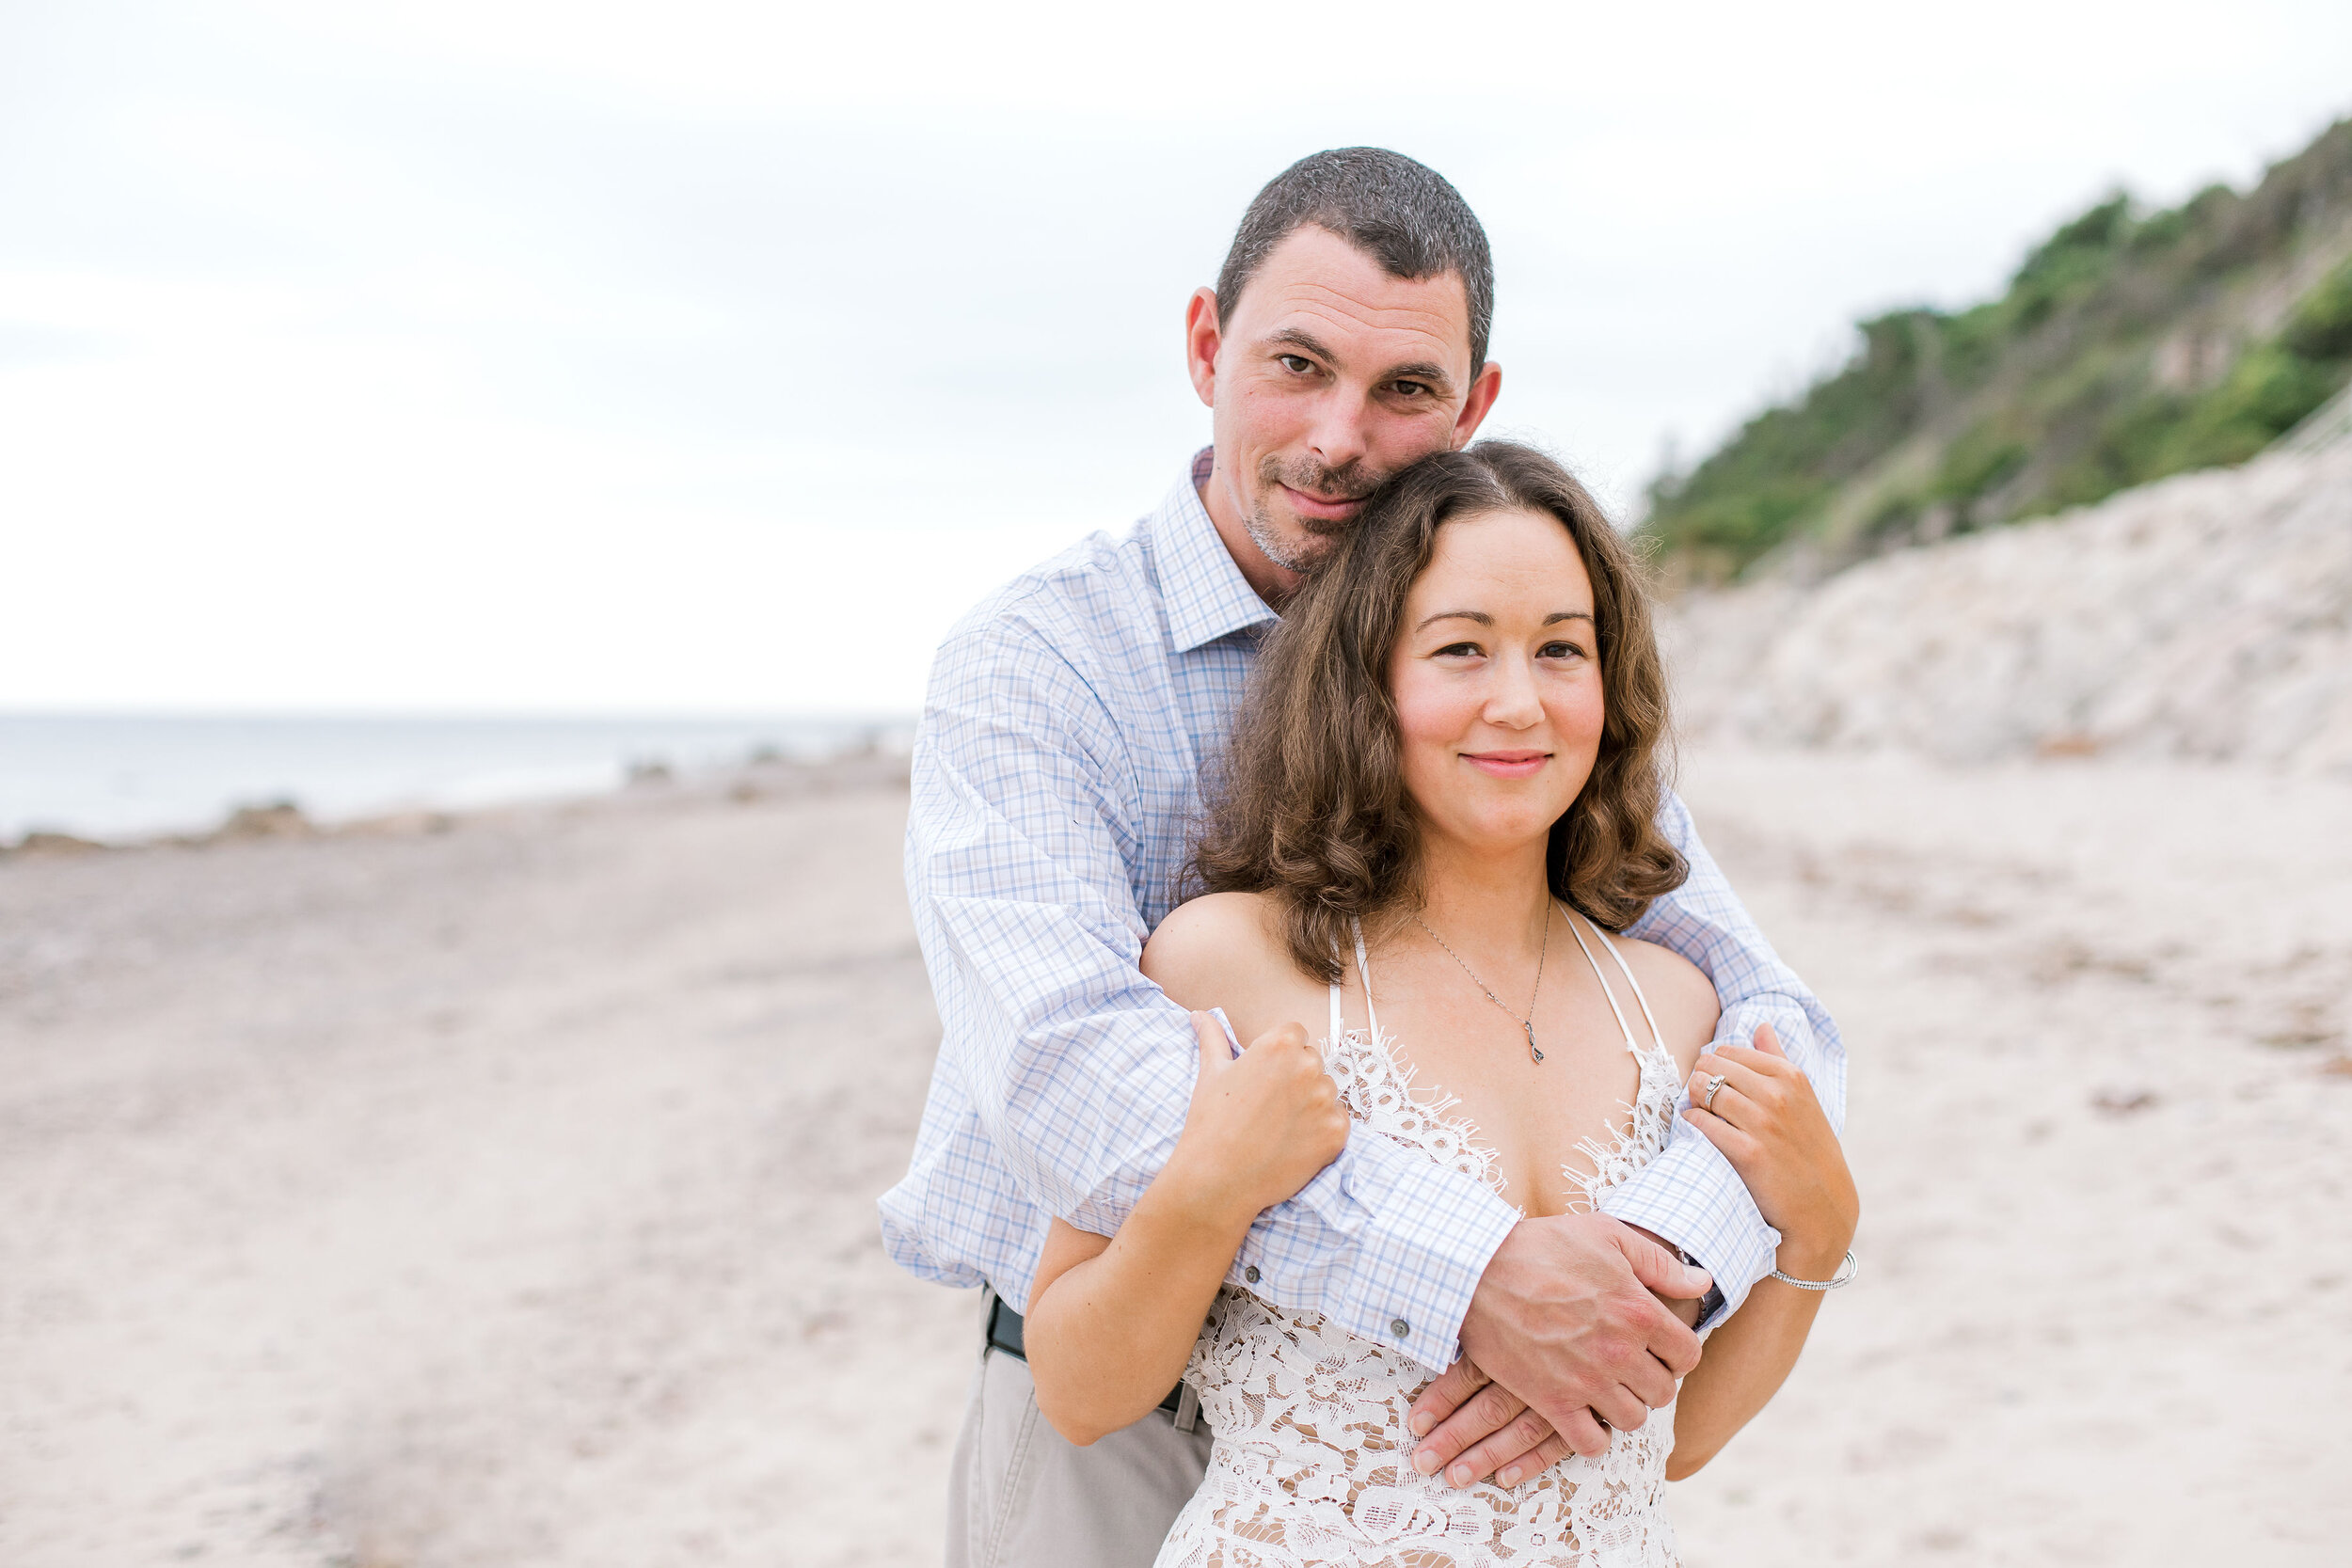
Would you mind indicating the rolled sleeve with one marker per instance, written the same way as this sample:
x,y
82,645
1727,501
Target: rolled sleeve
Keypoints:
x,y
1385,1243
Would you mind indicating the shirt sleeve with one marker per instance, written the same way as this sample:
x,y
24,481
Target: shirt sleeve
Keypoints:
x,y
1021,836
1689,1194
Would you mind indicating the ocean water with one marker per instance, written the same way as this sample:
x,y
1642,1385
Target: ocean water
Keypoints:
x,y
117,778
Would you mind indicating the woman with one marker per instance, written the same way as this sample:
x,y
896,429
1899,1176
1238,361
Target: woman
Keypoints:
x,y
1439,807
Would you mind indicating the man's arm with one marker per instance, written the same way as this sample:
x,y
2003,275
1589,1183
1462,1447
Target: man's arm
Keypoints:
x,y
1021,836
1689,1195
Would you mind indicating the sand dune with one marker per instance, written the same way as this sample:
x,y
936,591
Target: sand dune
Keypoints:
x,y
2205,617
503,1195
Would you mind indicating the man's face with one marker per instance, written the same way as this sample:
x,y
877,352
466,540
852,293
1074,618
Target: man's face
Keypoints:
x,y
1329,377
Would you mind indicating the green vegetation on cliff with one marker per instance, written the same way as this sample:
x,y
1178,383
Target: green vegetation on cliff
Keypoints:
x,y
2129,345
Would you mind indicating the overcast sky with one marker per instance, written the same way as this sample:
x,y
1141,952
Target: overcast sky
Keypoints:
x,y
440,358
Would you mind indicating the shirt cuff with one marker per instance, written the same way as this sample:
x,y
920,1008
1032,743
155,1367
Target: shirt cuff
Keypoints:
x,y
1691,1197
1422,1238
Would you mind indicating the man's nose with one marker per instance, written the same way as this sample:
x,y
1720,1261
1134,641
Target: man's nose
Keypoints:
x,y
1337,436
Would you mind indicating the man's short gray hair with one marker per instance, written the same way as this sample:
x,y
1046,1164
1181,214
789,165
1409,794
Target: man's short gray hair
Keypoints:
x,y
1400,213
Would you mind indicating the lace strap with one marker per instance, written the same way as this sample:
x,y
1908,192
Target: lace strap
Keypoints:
x,y
1656,1037
1623,1027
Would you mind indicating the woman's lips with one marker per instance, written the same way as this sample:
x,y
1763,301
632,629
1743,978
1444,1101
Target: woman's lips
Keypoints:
x,y
1507,765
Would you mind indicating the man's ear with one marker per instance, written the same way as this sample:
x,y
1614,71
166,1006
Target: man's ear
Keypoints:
x,y
1483,393
1201,341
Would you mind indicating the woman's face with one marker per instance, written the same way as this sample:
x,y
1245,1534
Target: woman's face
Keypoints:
x,y
1497,679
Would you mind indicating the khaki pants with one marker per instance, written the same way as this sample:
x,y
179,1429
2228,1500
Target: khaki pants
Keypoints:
x,y
1020,1495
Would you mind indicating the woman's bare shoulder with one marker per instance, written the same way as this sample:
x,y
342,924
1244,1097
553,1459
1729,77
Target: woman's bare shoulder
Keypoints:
x,y
1679,993
1224,950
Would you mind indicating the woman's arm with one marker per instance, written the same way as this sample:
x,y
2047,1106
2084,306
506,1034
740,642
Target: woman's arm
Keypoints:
x,y
1770,1125
1685,1195
1112,1322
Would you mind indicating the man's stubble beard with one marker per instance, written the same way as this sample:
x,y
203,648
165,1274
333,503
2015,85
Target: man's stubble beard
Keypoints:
x,y
1304,555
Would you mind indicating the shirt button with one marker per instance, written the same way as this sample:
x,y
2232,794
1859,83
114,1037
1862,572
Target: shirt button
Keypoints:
x,y
1399,1327
1251,1273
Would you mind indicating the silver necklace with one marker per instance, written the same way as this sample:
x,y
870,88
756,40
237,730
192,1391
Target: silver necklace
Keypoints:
x,y
1528,1023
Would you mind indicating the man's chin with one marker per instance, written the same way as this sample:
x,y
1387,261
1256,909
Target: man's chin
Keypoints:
x,y
1295,547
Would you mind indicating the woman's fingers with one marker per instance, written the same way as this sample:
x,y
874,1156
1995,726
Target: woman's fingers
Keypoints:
x,y
1490,1411
1764,1063
1514,1444
1447,1393
1737,1146
1749,1096
1718,1101
1741,1057
1215,1055
1551,1452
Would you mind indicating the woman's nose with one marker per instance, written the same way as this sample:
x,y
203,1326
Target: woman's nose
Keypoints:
x,y
1511,701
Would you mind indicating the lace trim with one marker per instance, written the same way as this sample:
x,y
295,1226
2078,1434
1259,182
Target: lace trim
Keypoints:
x,y
1649,1125
1378,1090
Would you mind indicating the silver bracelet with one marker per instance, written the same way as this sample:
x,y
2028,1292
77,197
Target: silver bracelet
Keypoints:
x,y
1845,1277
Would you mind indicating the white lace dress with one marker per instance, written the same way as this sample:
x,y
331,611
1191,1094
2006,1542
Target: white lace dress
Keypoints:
x,y
1312,1463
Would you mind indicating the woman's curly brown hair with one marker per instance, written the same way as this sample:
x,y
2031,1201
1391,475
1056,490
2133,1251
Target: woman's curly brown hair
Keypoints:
x,y
1312,806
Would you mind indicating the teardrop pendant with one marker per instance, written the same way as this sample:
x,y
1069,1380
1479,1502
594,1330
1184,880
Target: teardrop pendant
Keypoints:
x,y
1530,1026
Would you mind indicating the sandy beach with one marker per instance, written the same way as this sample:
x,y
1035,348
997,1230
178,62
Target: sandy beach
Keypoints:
x,y
499,1189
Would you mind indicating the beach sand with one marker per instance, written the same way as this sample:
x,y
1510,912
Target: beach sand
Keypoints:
x,y
500,1191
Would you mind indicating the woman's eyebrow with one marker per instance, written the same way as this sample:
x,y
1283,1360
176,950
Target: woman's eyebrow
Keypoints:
x,y
1477,615
1481,618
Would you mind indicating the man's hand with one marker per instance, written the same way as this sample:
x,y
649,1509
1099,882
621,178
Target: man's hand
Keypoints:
x,y
1564,1316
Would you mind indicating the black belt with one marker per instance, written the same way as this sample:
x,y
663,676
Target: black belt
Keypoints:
x,y
1003,1334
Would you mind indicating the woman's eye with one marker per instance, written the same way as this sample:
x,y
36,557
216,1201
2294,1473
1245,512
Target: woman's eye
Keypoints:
x,y
1560,650
1459,650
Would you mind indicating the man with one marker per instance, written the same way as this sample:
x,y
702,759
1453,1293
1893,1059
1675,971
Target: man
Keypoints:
x,y
1058,767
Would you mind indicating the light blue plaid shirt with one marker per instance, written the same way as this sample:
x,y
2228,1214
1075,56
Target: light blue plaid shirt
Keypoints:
x,y
1056,771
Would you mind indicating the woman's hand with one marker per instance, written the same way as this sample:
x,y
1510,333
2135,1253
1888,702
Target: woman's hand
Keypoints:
x,y
1769,1124
1111,1322
1261,1124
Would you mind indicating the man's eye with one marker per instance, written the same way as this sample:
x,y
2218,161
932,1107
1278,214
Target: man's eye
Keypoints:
x,y
1296,364
1412,389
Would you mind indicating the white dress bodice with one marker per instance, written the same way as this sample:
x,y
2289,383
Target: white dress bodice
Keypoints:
x,y
1312,1463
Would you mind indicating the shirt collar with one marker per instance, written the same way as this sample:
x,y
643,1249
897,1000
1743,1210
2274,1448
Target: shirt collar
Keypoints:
x,y
1206,595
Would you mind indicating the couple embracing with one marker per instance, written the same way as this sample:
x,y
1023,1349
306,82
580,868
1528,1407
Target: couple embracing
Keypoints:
x,y
1360,1094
